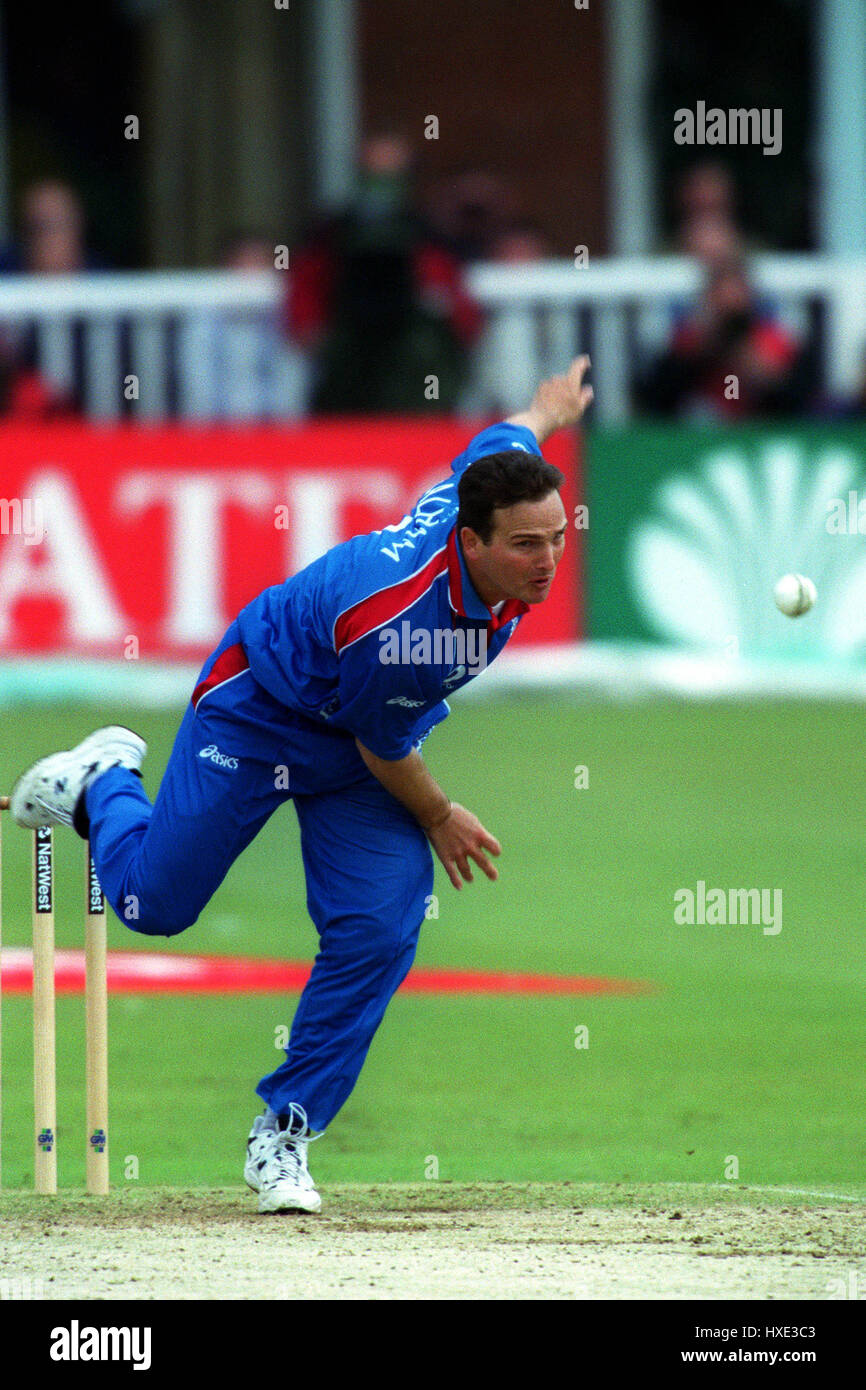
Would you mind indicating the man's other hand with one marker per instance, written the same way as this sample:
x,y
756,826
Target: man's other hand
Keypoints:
x,y
459,838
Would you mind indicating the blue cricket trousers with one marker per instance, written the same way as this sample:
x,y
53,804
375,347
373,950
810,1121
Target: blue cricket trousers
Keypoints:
x,y
368,865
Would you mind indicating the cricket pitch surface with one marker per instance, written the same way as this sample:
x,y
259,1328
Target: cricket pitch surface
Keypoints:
x,y
440,1240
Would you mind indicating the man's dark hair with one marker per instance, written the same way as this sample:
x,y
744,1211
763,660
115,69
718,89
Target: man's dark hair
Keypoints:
x,y
500,480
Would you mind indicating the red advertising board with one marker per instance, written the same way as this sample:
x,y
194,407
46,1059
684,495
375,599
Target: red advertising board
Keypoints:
x,y
136,542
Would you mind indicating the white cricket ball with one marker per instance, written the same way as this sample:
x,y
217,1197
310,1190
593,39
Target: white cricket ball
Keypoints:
x,y
795,594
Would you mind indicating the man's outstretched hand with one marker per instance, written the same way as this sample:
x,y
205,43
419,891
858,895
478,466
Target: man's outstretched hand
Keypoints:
x,y
459,838
559,401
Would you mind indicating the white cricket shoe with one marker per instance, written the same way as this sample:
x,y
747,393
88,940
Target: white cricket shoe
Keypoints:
x,y
48,792
260,1145
276,1165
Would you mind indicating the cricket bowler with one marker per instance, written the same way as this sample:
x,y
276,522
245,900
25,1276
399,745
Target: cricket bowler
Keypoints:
x,y
322,692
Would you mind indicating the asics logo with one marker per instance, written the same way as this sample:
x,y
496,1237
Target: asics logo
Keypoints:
x,y
213,755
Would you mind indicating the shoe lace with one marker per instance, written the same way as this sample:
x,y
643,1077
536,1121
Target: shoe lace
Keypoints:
x,y
291,1148
53,808
298,1126
290,1158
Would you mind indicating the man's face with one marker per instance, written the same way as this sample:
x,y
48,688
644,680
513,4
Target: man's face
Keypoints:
x,y
52,229
524,549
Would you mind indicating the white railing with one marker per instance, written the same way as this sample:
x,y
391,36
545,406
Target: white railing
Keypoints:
x,y
196,345
208,345
620,311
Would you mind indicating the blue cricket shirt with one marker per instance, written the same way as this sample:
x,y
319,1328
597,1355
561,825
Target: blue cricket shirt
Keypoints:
x,y
373,635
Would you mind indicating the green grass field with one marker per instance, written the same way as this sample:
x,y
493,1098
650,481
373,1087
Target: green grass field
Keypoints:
x,y
752,1047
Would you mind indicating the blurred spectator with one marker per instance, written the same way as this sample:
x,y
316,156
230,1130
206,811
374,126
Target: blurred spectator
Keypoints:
x,y
52,242
247,369
711,241
52,238
728,360
707,228
470,211
378,301
247,249
704,198
521,242
708,224
513,349
708,231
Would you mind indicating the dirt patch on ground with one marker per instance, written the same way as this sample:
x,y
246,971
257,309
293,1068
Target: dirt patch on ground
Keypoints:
x,y
434,1241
